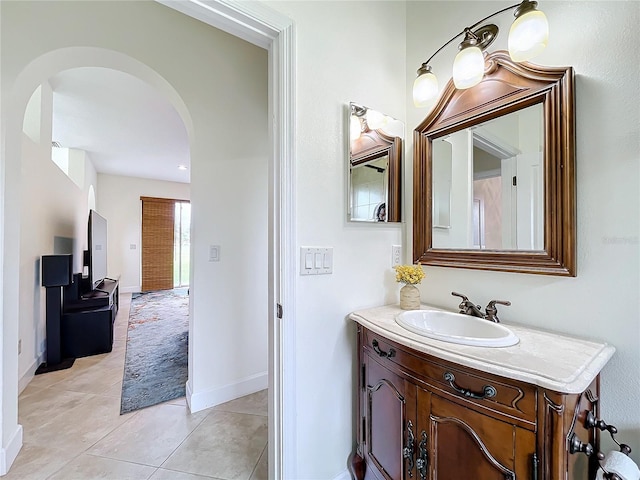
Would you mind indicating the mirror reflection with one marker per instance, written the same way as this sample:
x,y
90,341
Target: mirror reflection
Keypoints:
x,y
375,155
488,185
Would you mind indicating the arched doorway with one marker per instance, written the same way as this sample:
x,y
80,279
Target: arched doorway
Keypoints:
x,y
274,32
27,81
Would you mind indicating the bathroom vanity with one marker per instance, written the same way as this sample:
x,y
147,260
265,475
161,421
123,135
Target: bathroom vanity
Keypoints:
x,y
428,409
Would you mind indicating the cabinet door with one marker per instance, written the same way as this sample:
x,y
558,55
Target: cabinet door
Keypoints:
x,y
465,444
385,421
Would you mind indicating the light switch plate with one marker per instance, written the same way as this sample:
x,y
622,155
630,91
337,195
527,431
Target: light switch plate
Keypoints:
x,y
316,260
214,253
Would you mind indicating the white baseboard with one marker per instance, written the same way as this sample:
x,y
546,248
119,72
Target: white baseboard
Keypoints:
x,y
200,400
29,374
345,475
9,454
188,393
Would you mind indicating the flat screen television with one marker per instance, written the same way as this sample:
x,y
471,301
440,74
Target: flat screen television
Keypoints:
x,y
97,254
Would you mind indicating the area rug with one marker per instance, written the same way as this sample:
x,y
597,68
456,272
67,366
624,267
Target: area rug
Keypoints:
x,y
155,368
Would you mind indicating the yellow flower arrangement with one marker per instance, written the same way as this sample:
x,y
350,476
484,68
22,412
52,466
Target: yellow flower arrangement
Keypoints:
x,y
409,274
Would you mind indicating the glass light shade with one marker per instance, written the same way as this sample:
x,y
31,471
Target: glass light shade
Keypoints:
x,y
528,36
425,87
468,68
375,119
355,128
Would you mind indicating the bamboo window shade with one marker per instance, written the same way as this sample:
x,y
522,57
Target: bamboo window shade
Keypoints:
x,y
157,243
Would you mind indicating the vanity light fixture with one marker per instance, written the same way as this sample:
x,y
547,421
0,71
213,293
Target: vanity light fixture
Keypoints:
x,y
182,167
356,120
375,119
363,119
528,36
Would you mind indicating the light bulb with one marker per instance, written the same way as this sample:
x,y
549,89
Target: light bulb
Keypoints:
x,y
468,67
354,128
425,87
375,119
528,36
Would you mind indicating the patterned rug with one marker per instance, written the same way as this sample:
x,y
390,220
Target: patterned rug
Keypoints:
x,y
155,367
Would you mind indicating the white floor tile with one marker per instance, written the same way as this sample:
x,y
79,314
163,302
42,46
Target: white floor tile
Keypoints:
x,y
73,429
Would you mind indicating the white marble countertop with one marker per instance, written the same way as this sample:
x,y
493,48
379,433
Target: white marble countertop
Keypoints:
x,y
558,362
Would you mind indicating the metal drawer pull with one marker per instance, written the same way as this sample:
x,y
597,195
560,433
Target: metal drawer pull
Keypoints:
x,y
382,353
488,391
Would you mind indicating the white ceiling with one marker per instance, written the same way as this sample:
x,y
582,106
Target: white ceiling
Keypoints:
x,y
124,124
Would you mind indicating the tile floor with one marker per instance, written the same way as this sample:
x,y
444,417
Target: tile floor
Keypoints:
x,y
73,429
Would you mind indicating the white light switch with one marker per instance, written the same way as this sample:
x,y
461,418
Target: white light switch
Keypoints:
x,y
316,260
327,260
214,253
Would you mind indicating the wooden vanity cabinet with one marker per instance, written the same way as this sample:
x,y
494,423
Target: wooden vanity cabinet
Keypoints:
x,y
418,418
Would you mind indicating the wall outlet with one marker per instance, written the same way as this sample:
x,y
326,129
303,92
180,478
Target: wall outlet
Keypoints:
x,y
19,346
396,255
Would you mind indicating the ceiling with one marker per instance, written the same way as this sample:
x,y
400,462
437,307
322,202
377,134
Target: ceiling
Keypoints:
x,y
123,123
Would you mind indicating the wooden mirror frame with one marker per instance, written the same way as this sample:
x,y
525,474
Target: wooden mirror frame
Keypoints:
x,y
374,144
507,87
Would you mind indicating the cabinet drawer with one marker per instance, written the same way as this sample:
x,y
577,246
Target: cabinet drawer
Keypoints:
x,y
487,392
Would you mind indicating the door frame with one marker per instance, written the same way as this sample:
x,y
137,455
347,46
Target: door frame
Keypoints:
x,y
266,28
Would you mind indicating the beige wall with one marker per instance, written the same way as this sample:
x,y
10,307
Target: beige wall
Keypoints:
x,y
331,70
345,52
218,84
119,202
603,301
52,205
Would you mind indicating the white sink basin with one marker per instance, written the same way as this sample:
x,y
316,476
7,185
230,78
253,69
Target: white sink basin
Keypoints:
x,y
456,328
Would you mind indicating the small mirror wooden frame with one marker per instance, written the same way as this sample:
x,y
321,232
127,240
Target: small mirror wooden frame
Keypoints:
x,y
375,144
507,87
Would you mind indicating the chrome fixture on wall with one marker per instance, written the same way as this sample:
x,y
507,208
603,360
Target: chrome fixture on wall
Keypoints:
x,y
527,38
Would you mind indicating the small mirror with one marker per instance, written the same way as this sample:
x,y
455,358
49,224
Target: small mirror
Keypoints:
x,y
374,164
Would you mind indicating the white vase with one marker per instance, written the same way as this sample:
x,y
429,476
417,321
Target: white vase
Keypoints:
x,y
409,297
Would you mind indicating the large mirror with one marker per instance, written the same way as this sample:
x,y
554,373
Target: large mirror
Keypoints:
x,y
487,184
494,180
374,165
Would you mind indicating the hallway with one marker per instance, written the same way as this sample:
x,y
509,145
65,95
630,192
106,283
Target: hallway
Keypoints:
x,y
73,429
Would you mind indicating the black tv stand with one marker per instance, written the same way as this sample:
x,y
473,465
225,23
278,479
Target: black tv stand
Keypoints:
x,y
87,321
99,291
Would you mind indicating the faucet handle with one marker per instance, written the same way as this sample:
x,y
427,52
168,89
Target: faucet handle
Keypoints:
x,y
492,311
463,304
463,297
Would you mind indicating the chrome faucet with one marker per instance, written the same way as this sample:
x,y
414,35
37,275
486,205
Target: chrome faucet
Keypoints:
x,y
469,308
